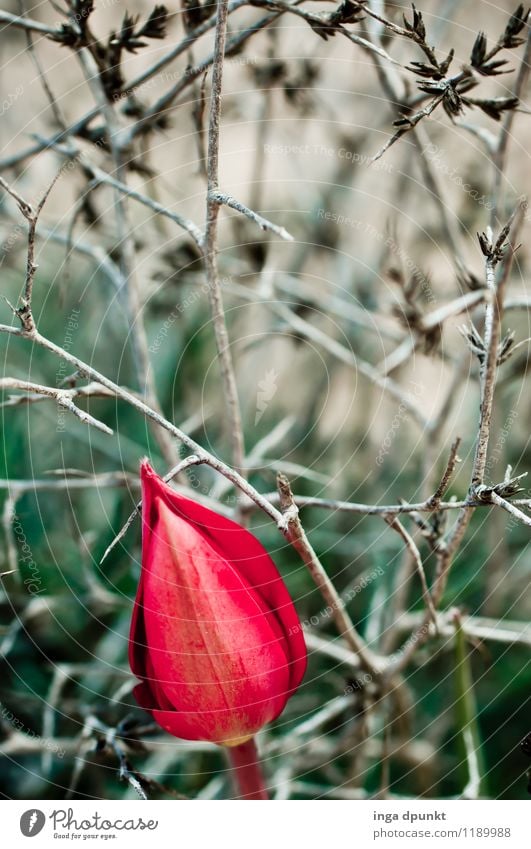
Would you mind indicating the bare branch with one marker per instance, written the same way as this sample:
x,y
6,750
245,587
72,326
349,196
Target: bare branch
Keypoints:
x,y
232,404
294,533
153,415
500,155
28,24
259,220
510,508
103,178
62,396
24,312
192,460
8,517
396,524
453,460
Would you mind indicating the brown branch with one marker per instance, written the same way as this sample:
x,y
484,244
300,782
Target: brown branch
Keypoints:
x,y
31,214
453,460
62,396
502,146
222,199
510,508
230,389
144,408
28,24
294,532
192,460
396,524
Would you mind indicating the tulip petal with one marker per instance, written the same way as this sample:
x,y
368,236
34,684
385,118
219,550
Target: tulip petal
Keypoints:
x,y
210,639
191,726
242,549
215,638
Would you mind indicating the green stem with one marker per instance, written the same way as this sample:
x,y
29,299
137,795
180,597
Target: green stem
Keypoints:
x,y
247,771
466,710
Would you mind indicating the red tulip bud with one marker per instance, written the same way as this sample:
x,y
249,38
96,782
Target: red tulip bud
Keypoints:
x,y
215,638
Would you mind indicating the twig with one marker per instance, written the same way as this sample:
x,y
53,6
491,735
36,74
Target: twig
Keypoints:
x,y
19,743
62,396
449,224
510,508
400,355
492,331
60,679
54,105
103,178
166,101
296,288
320,22
425,112
294,533
126,395
24,312
336,649
258,452
453,460
211,250
329,711
452,308
264,224
382,509
396,524
106,479
8,517
192,460
467,714
127,258
80,126
477,627
500,154
493,311
28,24
308,330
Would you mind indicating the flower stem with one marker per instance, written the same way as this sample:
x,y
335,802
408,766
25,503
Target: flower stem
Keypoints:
x,y
247,771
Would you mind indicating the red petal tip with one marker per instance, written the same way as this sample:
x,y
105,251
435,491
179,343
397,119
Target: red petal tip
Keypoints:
x,y
146,469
